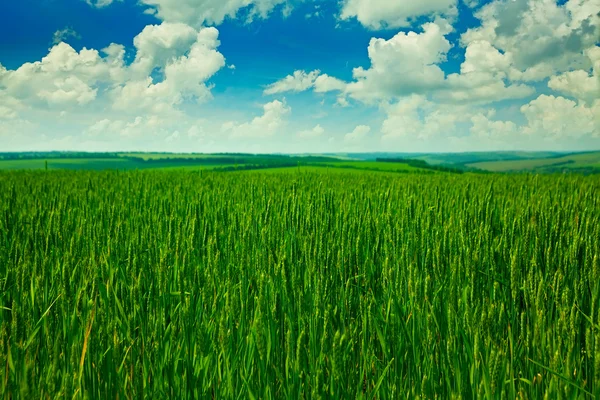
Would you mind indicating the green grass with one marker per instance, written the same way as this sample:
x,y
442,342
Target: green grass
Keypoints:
x,y
299,283
581,160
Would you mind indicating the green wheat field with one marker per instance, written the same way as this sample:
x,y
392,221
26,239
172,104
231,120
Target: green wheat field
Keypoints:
x,y
308,284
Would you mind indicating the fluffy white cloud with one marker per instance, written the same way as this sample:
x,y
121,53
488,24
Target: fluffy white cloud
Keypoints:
x,y
540,37
65,78
480,87
409,63
416,118
157,45
325,83
580,84
66,89
315,132
299,81
202,12
377,14
557,117
484,127
358,134
184,74
266,125
100,3
70,90
137,127
405,64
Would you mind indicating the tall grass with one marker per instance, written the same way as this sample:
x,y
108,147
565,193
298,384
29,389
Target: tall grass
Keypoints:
x,y
308,285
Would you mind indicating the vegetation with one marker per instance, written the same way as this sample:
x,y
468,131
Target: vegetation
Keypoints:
x,y
537,162
151,284
588,162
421,164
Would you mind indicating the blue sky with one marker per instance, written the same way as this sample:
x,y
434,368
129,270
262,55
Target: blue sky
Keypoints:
x,y
299,76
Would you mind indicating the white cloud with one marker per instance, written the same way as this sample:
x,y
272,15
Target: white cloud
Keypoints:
x,y
416,118
377,14
480,87
173,137
298,82
158,45
325,83
557,117
409,63
540,37
266,125
202,12
484,127
137,127
100,3
64,78
405,64
315,132
62,35
359,133
70,90
580,84
186,64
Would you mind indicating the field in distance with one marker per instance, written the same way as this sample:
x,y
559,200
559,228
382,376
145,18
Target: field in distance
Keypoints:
x,y
537,162
218,162
577,162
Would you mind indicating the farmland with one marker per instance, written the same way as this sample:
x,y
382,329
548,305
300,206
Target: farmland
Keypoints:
x,y
589,162
312,282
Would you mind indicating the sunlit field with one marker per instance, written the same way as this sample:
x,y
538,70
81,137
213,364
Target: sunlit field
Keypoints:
x,y
304,284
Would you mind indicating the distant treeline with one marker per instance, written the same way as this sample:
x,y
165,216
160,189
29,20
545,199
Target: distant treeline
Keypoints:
x,y
35,155
421,164
266,160
247,167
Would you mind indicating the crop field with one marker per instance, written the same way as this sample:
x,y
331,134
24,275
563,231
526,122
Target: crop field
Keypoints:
x,y
589,160
374,166
298,285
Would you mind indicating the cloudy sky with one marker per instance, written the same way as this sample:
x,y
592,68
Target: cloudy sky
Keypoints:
x,y
299,75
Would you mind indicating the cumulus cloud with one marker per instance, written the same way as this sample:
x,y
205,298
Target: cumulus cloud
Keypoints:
x,y
485,127
325,83
580,84
358,134
299,81
402,65
557,117
410,63
540,37
377,14
273,120
65,78
416,118
315,132
212,12
137,127
185,72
